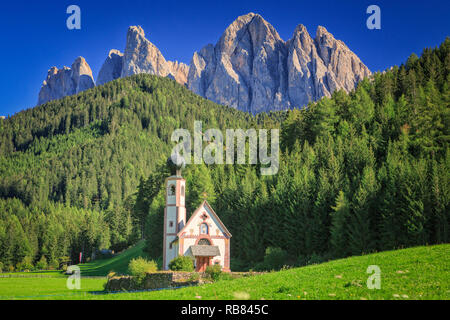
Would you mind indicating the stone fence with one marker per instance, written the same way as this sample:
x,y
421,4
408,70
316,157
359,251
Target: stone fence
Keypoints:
x,y
164,280
157,280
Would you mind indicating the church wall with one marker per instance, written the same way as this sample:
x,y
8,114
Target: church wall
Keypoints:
x,y
215,235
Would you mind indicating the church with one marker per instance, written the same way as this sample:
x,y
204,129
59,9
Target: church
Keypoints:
x,y
204,237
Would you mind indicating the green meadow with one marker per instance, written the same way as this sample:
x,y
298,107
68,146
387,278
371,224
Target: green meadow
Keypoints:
x,y
414,273
118,264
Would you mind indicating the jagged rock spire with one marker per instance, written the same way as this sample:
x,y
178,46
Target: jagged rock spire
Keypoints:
x,y
66,81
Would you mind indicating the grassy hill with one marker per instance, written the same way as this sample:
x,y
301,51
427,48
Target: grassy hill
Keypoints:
x,y
414,273
118,264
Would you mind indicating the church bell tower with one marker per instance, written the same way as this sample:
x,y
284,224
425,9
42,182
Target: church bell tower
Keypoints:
x,y
174,216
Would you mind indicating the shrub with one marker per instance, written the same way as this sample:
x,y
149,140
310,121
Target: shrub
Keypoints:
x,y
182,263
159,262
53,265
214,272
1,267
139,267
25,265
42,264
275,258
63,261
194,277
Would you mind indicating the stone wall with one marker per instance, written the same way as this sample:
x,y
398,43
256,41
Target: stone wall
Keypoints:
x,y
157,280
165,280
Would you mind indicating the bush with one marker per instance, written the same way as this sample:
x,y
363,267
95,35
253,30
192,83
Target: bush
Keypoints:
x,y
1,267
182,263
53,265
274,259
25,265
214,272
139,267
194,277
42,264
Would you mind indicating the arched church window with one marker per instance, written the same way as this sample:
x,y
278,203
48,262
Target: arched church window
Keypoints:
x,y
182,191
204,228
204,242
172,190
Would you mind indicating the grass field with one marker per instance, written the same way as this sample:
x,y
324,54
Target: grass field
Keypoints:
x,y
118,264
415,273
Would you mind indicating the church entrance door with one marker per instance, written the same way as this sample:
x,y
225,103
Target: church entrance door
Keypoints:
x,y
202,263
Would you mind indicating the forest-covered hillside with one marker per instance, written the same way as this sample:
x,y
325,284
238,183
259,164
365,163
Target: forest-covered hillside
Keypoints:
x,y
359,172
89,152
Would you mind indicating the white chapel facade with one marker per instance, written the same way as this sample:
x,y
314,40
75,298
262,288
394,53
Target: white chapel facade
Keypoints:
x,y
204,237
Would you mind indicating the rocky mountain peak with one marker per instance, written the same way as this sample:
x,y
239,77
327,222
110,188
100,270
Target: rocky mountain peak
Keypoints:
x,y
82,75
251,28
136,31
322,31
242,69
142,56
300,29
252,69
112,67
301,36
66,81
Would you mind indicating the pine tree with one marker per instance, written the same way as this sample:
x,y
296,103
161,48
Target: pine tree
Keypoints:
x,y
339,220
361,231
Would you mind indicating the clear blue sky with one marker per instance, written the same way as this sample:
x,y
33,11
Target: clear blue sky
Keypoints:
x,y
34,36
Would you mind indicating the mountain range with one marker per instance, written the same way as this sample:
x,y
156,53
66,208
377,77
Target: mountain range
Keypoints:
x,y
250,68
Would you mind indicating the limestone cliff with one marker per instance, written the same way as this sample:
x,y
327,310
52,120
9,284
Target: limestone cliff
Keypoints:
x,y
66,81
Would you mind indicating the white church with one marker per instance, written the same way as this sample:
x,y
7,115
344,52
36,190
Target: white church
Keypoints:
x,y
204,237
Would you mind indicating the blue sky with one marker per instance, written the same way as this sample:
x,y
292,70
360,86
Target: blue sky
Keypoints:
x,y
34,35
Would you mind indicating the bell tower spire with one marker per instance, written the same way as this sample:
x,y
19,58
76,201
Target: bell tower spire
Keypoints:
x,y
174,211
174,217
